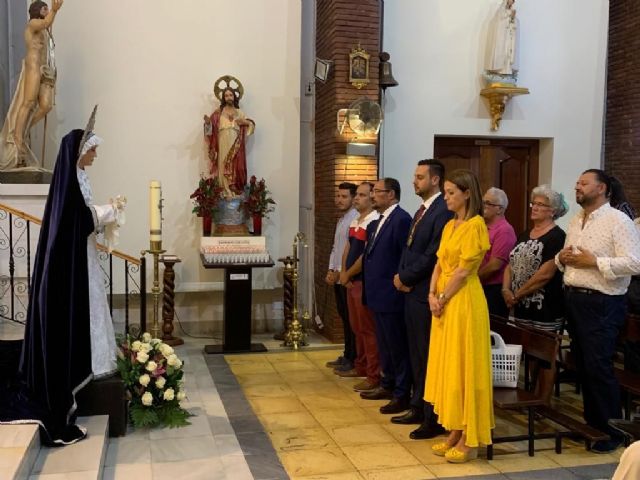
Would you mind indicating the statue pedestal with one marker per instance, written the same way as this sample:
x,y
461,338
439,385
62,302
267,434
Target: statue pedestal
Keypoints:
x,y
498,96
29,198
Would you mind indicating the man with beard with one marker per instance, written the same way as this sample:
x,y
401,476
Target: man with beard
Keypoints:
x,y
225,131
602,251
344,203
33,98
413,277
361,318
386,239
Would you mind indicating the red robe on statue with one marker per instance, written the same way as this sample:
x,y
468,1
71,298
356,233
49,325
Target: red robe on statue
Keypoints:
x,y
227,155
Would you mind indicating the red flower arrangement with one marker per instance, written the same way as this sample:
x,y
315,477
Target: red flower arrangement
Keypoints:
x,y
206,197
258,199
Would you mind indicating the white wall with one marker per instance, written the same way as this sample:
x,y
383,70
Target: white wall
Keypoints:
x,y
151,66
438,48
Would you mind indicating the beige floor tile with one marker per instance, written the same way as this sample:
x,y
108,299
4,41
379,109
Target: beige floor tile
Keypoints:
x,y
325,354
289,420
332,476
417,472
474,467
251,358
264,406
360,435
373,411
268,391
399,432
303,376
252,379
341,417
287,357
251,368
380,456
317,388
301,439
127,472
84,475
316,462
284,367
522,462
574,457
323,402
421,449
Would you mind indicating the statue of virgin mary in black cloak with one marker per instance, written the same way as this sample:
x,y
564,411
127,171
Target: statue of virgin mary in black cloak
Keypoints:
x,y
57,355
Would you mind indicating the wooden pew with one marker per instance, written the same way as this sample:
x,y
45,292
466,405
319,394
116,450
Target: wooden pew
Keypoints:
x,y
541,349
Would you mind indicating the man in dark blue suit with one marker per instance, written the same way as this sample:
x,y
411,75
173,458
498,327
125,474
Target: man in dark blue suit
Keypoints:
x,y
414,274
386,239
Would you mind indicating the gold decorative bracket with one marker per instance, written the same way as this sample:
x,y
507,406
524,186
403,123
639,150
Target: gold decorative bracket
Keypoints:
x,y
498,96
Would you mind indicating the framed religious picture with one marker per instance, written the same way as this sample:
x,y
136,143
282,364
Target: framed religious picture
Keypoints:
x,y
359,67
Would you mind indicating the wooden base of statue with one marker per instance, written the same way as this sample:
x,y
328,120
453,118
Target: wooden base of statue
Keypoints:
x,y
168,300
498,96
231,230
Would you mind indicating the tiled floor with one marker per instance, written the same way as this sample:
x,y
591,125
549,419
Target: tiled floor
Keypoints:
x,y
321,429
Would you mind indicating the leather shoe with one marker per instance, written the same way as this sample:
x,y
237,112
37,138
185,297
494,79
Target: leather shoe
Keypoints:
x,y
413,416
427,431
353,373
396,405
335,363
379,393
605,446
365,386
630,428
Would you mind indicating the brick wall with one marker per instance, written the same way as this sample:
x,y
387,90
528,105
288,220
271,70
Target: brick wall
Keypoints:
x,y
340,26
622,127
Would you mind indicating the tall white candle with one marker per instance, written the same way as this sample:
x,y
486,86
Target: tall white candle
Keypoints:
x,y
155,215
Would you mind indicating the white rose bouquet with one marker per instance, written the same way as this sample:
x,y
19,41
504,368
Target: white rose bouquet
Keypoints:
x,y
152,373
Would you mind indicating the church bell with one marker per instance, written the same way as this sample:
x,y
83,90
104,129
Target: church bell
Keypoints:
x,y
386,76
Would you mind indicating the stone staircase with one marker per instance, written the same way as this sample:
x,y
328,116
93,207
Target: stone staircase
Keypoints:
x,y
23,458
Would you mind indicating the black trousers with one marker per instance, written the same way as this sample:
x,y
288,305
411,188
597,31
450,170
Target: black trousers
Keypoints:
x,y
343,311
417,319
495,302
594,323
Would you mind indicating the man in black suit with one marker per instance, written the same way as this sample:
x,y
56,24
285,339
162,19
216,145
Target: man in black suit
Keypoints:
x,y
413,277
386,238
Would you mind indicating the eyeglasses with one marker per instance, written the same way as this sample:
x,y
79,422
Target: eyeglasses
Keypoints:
x,y
379,190
489,204
539,205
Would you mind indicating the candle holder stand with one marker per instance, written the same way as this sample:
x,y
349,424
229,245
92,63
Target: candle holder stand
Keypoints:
x,y
155,250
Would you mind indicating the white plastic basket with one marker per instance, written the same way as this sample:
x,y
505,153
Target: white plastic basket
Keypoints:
x,y
505,362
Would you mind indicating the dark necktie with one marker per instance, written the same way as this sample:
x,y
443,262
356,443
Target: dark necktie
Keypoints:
x,y
416,219
375,234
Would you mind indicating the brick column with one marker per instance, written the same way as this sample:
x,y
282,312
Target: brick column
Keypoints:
x,y
622,127
340,26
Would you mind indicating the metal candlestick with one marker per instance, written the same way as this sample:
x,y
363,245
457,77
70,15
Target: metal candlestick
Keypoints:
x,y
156,250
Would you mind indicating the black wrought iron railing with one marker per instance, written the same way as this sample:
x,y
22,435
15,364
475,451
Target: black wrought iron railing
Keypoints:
x,y
124,275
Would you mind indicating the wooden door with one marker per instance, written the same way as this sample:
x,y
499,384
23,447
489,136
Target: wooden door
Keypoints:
x,y
509,164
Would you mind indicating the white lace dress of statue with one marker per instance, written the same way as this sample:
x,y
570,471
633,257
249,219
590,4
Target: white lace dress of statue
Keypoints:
x,y
504,44
103,342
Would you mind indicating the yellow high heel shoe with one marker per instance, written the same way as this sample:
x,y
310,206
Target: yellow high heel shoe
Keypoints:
x,y
454,455
440,449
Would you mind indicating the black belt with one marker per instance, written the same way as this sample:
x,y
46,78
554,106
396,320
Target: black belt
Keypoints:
x,y
585,291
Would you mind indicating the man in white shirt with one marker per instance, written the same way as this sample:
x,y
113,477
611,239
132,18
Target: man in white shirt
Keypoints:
x,y
602,251
344,203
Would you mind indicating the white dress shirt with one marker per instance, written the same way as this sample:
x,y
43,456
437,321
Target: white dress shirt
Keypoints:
x,y
385,215
613,238
340,239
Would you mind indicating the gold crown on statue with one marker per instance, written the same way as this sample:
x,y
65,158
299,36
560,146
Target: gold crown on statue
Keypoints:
x,y
228,81
88,130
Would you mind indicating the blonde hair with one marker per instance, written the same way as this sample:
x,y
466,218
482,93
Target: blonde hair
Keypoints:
x,y
466,180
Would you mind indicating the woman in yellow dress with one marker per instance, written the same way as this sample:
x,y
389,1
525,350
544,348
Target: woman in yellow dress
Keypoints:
x,y
459,382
